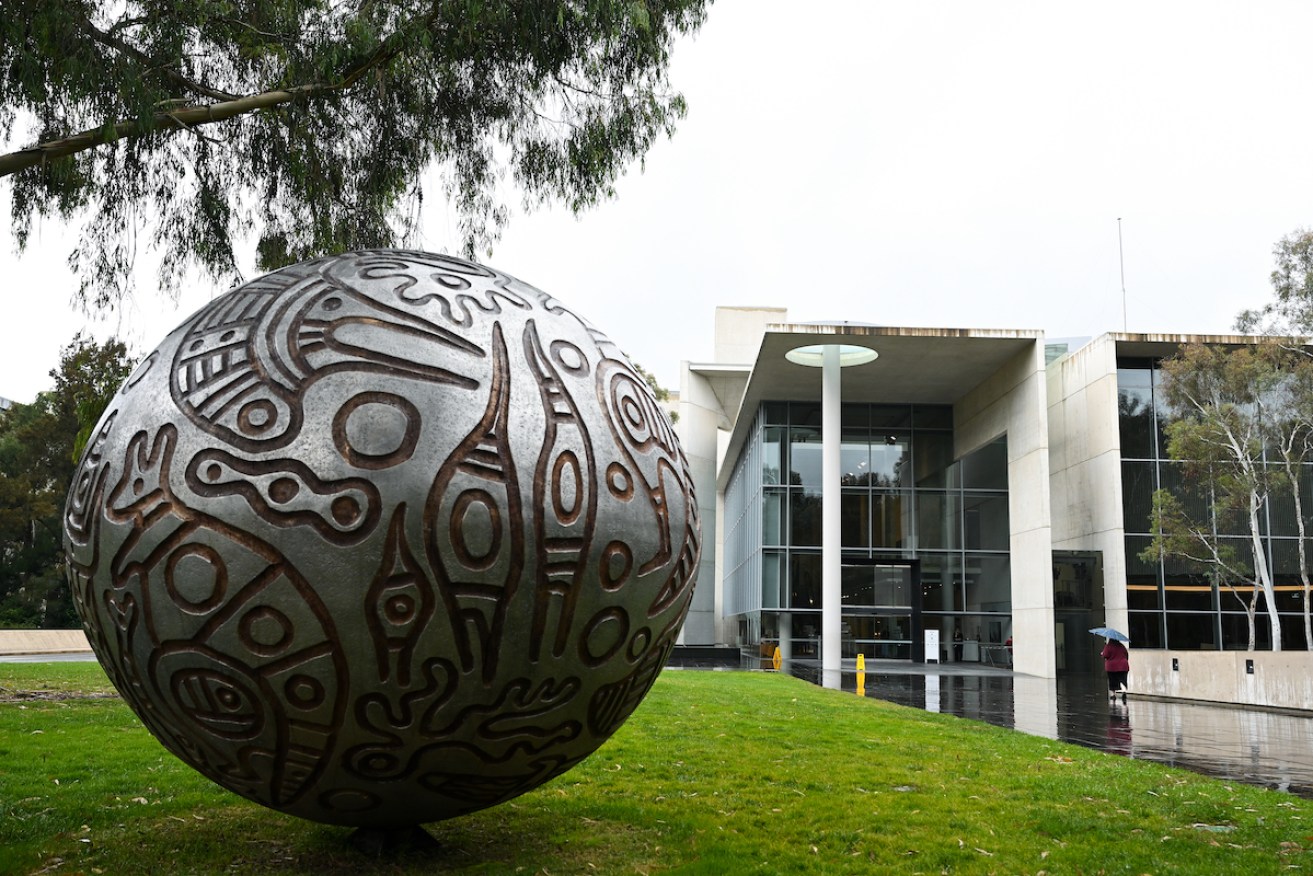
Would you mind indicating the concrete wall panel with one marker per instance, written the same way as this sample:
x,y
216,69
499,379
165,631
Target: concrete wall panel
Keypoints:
x,y
1282,679
1012,402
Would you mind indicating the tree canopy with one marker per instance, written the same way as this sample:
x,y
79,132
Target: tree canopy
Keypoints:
x,y
39,448
1291,311
307,123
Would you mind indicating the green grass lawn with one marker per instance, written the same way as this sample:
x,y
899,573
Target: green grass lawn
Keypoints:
x,y
715,773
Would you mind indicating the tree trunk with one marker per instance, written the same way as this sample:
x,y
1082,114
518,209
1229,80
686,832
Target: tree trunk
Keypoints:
x,y
1293,474
1251,615
1262,572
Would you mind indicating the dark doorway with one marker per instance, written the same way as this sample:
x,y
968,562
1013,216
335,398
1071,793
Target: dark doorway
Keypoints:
x,y
1077,607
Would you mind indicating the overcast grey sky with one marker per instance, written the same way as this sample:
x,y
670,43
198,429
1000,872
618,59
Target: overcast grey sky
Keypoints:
x,y
955,164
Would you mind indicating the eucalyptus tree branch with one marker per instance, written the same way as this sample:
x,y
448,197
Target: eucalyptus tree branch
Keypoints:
x,y
180,119
191,117
125,23
110,40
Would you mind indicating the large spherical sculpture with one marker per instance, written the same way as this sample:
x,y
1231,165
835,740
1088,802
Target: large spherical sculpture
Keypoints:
x,y
382,539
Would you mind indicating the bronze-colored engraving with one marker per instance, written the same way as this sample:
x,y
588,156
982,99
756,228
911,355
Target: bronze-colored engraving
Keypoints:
x,y
376,430
242,370
480,474
215,620
564,497
285,492
399,604
81,509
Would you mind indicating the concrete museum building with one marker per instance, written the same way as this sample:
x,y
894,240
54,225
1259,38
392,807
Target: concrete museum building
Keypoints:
x,y
945,494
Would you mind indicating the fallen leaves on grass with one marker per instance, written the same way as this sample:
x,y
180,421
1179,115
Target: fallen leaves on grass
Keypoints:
x,y
10,695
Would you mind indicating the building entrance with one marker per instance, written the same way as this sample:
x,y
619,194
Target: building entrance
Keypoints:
x,y
882,609
1077,608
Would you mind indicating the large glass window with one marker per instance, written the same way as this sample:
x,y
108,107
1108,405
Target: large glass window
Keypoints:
x,y
805,581
1135,412
1143,590
938,519
805,457
1187,592
771,579
1146,629
933,455
858,586
876,586
985,521
941,582
890,520
1175,603
988,583
1281,507
1235,632
772,518
855,519
892,586
772,461
855,459
890,462
1137,495
987,468
1171,477
903,495
805,518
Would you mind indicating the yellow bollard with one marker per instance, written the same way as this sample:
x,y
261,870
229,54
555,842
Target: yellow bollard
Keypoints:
x,y
861,675
776,659
861,662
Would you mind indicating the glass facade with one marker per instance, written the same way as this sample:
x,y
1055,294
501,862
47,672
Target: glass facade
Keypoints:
x,y
925,537
1172,605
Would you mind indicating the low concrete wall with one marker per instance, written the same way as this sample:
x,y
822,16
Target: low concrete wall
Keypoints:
x,y
42,641
1280,680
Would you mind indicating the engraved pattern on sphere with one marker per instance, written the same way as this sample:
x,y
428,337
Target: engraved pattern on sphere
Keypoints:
x,y
383,538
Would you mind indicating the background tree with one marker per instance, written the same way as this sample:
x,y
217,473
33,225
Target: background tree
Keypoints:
x,y
659,392
310,122
39,447
1291,312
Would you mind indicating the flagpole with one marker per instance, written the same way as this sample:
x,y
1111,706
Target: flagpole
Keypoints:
x,y
1121,261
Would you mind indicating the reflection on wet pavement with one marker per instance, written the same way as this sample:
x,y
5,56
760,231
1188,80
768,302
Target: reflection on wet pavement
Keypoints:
x,y
1274,750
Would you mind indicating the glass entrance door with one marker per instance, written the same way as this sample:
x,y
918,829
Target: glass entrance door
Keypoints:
x,y
882,609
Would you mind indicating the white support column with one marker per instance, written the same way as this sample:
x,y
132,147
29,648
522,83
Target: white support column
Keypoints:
x,y
831,358
831,531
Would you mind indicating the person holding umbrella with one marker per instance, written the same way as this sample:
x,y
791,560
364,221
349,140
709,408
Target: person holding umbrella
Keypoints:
x,y
1116,662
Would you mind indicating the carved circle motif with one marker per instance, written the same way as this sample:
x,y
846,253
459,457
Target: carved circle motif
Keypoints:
x,y
383,538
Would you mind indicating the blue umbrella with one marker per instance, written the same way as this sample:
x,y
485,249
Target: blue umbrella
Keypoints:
x,y
1110,633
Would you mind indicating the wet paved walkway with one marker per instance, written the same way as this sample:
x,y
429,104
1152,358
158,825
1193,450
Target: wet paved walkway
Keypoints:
x,y
1274,750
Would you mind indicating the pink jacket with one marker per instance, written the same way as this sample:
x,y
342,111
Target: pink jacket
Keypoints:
x,y
1115,658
